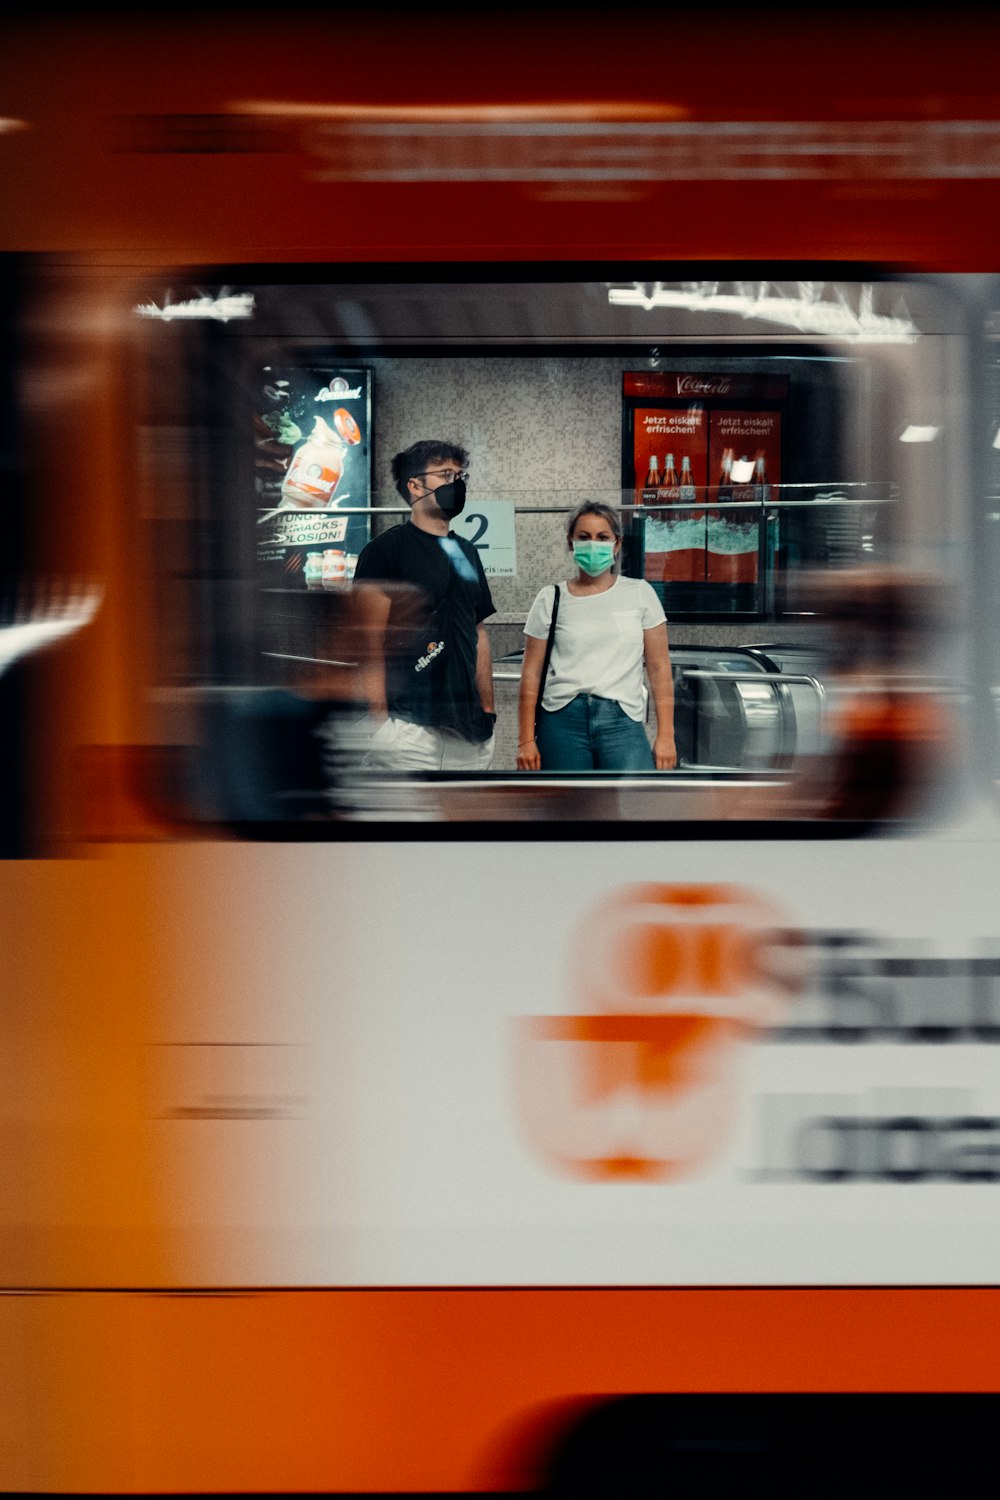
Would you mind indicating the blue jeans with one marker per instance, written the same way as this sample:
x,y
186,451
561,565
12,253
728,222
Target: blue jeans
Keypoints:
x,y
592,734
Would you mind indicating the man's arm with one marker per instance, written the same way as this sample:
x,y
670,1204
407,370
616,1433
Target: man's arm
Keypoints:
x,y
484,660
484,668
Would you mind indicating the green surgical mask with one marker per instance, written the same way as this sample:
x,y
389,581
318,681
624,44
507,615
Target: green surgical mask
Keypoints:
x,y
594,557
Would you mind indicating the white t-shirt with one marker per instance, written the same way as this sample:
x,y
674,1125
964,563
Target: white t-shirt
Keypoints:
x,y
599,643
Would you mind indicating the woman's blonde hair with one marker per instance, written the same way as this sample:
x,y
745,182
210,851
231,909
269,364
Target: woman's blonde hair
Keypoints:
x,y
595,508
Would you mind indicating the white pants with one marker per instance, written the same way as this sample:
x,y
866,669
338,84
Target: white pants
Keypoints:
x,y
400,746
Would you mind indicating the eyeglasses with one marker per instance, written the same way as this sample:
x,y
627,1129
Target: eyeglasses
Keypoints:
x,y
445,474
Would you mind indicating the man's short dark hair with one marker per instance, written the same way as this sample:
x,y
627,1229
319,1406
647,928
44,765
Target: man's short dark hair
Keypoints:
x,y
420,457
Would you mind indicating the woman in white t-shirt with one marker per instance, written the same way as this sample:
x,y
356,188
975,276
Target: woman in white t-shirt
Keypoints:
x,y
593,699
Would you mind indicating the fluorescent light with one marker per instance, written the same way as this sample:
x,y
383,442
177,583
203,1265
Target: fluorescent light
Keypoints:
x,y
807,312
919,434
221,309
996,440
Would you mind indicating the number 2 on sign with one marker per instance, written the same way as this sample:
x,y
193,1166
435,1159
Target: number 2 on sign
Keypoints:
x,y
482,525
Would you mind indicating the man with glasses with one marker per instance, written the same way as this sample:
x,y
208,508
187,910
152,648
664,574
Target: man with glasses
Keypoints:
x,y
422,598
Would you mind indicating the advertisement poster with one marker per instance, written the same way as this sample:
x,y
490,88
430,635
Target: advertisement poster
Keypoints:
x,y
670,460
745,455
702,438
312,457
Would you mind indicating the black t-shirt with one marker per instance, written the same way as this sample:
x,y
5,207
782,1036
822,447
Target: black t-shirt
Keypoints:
x,y
431,639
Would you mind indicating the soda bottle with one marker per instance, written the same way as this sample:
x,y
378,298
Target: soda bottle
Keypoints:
x,y
725,489
670,476
651,483
688,491
762,490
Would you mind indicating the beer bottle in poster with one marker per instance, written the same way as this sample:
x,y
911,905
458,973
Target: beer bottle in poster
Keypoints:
x,y
653,473
688,491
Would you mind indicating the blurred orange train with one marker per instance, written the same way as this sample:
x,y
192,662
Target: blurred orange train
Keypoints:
x,y
367,1154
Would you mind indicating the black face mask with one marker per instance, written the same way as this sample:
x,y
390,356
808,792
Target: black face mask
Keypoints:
x,y
450,498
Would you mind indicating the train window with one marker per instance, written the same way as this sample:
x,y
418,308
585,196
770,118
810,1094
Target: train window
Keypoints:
x,y
784,475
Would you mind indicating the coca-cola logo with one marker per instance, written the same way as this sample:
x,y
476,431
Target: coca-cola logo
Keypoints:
x,y
699,385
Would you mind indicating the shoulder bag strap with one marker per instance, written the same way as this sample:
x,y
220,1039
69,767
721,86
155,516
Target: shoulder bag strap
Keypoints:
x,y
548,654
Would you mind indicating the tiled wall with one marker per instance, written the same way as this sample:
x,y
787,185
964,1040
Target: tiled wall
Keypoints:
x,y
539,432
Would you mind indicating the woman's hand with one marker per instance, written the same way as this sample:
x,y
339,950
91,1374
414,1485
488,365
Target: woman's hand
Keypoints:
x,y
528,758
664,752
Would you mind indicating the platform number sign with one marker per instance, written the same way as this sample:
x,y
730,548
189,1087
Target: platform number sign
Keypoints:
x,y
489,526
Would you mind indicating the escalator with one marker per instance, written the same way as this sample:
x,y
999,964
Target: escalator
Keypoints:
x,y
734,708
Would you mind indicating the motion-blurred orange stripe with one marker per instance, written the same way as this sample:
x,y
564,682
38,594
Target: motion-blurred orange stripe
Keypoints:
x,y
439,1390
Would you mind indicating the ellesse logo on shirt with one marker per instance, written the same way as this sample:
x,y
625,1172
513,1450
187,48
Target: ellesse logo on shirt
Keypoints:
x,y
434,649
670,981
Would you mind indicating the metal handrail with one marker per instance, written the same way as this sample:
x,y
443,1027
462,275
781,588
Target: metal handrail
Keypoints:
x,y
624,505
799,678
692,776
